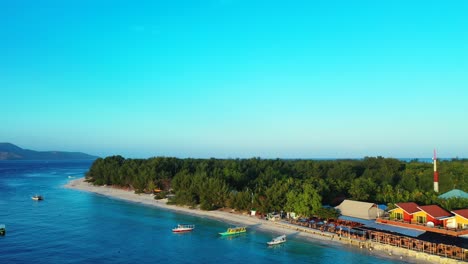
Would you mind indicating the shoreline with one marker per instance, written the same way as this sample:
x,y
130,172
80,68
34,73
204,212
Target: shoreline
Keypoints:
x,y
278,228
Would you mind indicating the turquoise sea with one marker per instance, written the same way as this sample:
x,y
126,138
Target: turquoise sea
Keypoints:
x,y
71,226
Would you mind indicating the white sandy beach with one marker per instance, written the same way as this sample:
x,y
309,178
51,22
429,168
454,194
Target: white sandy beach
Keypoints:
x,y
147,199
277,228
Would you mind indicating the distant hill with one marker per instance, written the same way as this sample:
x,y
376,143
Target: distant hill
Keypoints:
x,y
9,151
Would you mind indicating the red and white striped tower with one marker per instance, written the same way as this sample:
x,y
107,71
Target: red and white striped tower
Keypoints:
x,y
436,173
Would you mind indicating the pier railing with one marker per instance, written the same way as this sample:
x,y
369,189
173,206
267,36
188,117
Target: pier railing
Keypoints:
x,y
353,231
436,229
448,251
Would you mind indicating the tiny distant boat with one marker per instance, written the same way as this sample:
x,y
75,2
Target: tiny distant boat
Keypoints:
x,y
37,198
183,228
234,231
2,230
277,240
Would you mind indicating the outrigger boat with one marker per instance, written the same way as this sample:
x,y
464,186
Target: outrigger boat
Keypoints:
x,y
37,197
234,231
183,228
277,240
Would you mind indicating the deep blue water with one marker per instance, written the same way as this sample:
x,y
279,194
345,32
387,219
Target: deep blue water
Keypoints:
x,y
71,226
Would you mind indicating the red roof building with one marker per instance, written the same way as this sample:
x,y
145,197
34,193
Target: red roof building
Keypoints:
x,y
432,213
404,211
431,218
461,219
462,212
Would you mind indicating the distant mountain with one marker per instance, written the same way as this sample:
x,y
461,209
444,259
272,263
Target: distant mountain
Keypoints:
x,y
9,151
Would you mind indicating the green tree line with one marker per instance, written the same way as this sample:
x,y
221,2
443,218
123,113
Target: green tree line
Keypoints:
x,y
267,185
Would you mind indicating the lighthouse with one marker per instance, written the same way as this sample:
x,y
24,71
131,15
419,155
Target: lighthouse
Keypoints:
x,y
436,174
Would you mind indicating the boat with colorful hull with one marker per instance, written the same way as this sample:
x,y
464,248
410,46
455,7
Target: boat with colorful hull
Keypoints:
x,y
277,240
183,228
234,231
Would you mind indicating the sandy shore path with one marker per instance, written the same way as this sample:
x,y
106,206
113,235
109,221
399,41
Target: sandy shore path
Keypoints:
x,y
227,217
276,228
147,199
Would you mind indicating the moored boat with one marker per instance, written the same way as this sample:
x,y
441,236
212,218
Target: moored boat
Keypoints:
x,y
37,197
183,228
234,231
2,230
277,240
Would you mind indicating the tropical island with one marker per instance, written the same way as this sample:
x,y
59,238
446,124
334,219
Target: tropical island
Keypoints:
x,y
302,186
301,196
10,151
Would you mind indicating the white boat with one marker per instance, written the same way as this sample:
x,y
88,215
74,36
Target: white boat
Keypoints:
x,y
37,197
277,240
183,228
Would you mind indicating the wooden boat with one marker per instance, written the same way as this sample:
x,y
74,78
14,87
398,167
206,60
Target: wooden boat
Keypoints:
x,y
37,197
277,240
2,230
183,228
234,231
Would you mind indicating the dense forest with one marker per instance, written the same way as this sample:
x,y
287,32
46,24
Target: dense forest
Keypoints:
x,y
266,185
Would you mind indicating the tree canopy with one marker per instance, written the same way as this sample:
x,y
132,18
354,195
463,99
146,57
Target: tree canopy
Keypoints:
x,y
272,185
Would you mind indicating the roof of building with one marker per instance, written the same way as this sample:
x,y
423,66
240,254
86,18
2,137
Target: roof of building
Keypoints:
x,y
382,227
383,207
462,212
434,211
455,193
409,207
357,209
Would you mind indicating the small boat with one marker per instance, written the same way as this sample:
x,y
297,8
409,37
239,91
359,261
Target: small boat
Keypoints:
x,y
37,198
2,230
277,240
183,228
234,231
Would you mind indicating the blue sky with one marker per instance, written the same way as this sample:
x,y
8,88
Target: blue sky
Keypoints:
x,y
228,78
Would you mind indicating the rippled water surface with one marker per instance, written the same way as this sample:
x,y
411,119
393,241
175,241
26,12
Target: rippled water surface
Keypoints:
x,y
71,226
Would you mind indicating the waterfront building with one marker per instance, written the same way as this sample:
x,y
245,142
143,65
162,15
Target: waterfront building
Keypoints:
x,y
431,215
461,218
404,211
361,210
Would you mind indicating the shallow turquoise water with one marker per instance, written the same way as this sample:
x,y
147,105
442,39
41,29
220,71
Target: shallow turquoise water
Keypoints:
x,y
70,226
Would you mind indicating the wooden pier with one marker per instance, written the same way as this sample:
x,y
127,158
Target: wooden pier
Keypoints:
x,y
448,251
352,233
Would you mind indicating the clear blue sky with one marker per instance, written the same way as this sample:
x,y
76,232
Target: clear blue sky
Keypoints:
x,y
229,78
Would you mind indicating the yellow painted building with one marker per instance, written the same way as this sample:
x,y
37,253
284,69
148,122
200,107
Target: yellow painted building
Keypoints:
x,y
419,217
461,218
404,211
432,215
396,214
